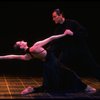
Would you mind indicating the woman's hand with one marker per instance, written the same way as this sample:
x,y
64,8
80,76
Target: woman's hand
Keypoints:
x,y
68,32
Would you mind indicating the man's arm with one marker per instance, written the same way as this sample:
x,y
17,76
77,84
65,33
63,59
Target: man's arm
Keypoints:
x,y
20,57
51,38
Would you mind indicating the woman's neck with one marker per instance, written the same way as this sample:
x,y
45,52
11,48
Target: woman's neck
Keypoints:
x,y
26,48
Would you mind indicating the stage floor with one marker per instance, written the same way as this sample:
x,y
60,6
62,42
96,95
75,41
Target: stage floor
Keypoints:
x,y
12,85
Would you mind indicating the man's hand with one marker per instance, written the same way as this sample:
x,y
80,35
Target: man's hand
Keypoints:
x,y
68,32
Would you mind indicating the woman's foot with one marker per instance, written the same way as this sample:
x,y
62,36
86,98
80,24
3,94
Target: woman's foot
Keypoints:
x,y
90,90
28,90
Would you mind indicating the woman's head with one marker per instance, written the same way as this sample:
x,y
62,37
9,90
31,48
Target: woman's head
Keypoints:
x,y
21,44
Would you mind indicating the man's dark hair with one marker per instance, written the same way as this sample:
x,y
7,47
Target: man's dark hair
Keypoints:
x,y
58,11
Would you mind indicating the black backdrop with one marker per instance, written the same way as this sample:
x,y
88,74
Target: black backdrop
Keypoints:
x,y
32,21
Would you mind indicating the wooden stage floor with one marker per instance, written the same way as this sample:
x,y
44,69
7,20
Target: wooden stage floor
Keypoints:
x,y
12,85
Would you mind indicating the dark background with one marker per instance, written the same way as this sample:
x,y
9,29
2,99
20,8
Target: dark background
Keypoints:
x,y
32,21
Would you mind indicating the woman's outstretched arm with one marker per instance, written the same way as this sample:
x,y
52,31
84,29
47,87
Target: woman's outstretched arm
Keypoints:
x,y
51,38
12,56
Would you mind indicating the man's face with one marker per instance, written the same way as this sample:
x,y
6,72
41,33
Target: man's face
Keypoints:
x,y
56,18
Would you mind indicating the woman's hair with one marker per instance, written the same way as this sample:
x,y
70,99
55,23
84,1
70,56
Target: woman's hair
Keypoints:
x,y
18,49
16,46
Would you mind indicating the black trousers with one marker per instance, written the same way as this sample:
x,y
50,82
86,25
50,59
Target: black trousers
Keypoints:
x,y
59,78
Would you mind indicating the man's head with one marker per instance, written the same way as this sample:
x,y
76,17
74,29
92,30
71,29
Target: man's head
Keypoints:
x,y
57,16
21,44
